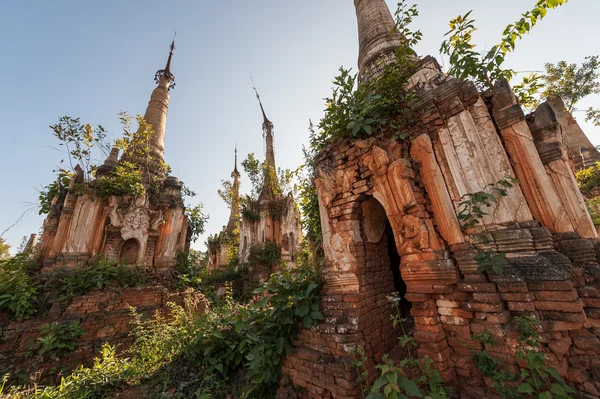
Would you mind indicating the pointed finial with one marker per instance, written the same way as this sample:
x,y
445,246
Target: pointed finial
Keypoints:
x,y
266,120
235,170
167,71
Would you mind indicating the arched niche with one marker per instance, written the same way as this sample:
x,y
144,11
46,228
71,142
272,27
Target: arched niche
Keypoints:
x,y
129,252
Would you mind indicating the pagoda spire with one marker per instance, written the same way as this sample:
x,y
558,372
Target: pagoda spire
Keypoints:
x,y
234,214
267,133
156,112
377,37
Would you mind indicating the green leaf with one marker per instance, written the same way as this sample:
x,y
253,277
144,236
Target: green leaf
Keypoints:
x,y
316,315
409,387
381,381
279,344
302,310
525,388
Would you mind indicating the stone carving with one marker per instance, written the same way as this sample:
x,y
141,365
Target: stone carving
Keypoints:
x,y
548,138
443,210
416,235
399,174
474,159
537,186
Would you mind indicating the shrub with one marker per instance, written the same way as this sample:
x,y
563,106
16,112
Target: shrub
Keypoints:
x,y
125,179
57,340
588,179
268,255
18,291
64,285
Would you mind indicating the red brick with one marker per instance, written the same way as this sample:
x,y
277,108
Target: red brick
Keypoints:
x,y
447,304
558,296
484,307
512,287
559,306
421,336
498,318
521,306
550,286
477,287
591,302
589,292
486,297
422,289
517,296
443,289
414,297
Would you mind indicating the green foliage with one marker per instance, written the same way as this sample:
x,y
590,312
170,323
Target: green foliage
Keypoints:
x,y
473,206
593,207
593,116
379,105
263,177
56,188
189,267
392,382
588,179
196,220
307,192
18,291
58,340
268,255
526,91
570,82
535,379
64,285
4,249
97,382
490,261
231,338
79,141
486,68
125,179
227,274
250,209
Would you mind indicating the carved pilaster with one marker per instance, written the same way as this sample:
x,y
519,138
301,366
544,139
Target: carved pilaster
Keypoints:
x,y
537,186
443,211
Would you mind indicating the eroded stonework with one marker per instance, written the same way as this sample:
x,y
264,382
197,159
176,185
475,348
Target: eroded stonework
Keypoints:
x,y
462,143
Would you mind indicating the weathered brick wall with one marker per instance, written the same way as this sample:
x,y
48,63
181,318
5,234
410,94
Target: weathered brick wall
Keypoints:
x,y
104,315
548,276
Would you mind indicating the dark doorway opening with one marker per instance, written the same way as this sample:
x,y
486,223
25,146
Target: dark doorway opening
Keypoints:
x,y
399,284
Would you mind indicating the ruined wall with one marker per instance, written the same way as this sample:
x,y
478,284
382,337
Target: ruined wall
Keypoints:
x,y
462,144
104,315
86,225
279,222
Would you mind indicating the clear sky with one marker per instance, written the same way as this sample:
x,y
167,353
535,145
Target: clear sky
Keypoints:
x,y
91,59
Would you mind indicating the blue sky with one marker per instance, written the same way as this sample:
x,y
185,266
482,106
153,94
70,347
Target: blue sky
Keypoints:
x,y
93,59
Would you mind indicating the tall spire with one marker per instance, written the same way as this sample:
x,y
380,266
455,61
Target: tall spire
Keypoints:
x,y
267,132
377,37
156,112
234,214
235,170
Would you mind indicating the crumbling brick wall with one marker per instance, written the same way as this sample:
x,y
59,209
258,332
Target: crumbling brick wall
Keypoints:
x,y
462,144
105,316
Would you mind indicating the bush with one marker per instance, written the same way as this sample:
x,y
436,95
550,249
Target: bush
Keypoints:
x,y
588,179
268,255
126,179
18,291
57,340
64,285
